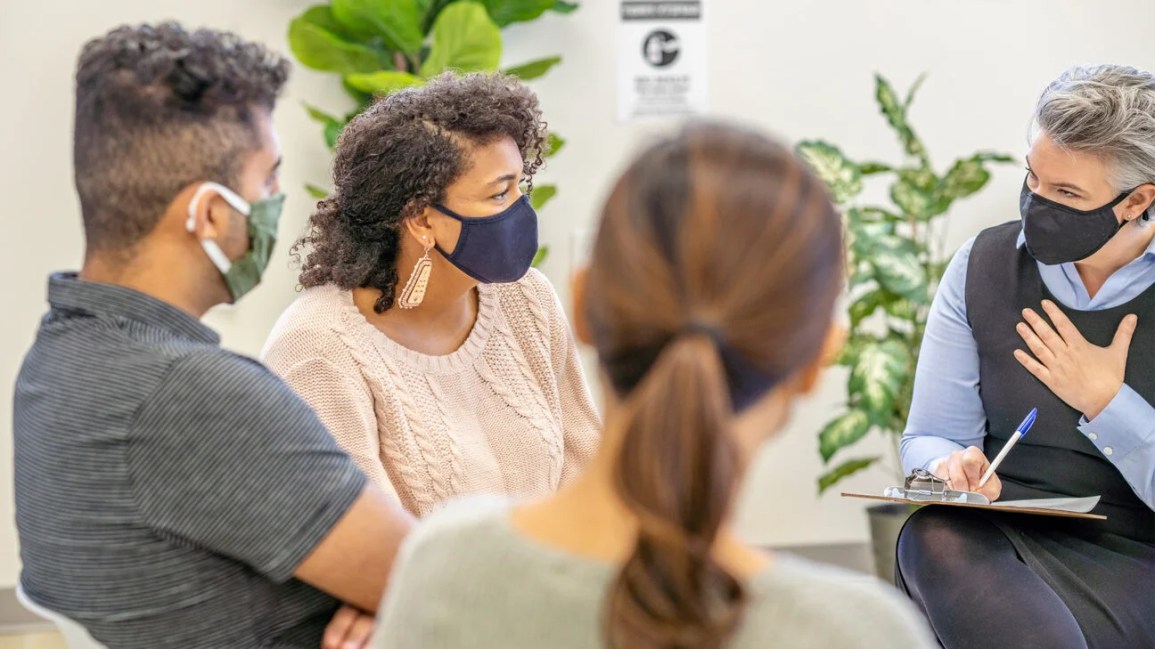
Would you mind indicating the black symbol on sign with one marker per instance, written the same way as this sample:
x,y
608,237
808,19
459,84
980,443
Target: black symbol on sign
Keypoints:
x,y
660,48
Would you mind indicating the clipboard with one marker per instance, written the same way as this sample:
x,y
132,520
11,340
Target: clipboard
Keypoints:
x,y
924,488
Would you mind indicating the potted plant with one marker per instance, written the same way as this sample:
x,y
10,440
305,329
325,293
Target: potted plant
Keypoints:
x,y
380,46
895,258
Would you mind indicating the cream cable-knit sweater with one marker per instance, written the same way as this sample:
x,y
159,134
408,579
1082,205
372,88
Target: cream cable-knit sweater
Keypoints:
x,y
508,412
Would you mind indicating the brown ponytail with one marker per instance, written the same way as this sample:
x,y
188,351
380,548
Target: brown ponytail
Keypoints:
x,y
677,475
713,277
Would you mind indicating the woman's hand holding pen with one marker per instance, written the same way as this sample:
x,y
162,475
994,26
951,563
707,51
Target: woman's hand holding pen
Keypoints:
x,y
964,470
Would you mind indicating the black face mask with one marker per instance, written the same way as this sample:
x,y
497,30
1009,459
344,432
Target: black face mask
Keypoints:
x,y
1058,234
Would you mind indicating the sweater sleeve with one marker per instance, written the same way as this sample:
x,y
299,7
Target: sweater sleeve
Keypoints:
x,y
326,376
581,423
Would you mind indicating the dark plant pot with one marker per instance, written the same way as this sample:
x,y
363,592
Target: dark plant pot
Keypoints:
x,y
886,522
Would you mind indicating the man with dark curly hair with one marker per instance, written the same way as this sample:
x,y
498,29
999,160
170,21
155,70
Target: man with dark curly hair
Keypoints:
x,y
168,492
439,359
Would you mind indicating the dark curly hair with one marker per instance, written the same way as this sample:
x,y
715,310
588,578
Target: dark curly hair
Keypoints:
x,y
158,108
397,158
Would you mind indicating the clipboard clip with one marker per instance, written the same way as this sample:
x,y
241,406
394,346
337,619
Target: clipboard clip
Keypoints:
x,y
923,486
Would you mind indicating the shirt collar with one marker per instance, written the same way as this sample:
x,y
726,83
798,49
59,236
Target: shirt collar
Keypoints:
x,y
66,291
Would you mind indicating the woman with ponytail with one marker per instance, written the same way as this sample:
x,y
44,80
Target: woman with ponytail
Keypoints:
x,y
709,300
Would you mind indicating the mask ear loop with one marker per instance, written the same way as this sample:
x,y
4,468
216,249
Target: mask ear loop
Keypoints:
x,y
214,252
1122,197
236,202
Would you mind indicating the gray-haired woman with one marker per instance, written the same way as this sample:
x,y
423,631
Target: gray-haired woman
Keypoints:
x,y
1056,312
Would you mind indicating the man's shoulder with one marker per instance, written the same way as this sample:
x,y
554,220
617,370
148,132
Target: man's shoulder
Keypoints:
x,y
219,380
212,364
117,347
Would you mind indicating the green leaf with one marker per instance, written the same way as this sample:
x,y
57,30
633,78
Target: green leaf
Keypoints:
x,y
841,176
505,12
363,99
966,177
895,114
835,475
316,44
316,192
332,125
322,16
898,268
861,275
864,306
991,156
541,256
563,7
864,233
542,195
878,376
888,102
868,231
842,432
913,90
848,355
533,69
922,178
853,216
382,83
870,168
332,133
464,39
397,22
553,144
901,308
878,214
434,9
894,244
319,115
911,199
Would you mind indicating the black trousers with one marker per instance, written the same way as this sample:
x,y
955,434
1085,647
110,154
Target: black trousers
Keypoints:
x,y
996,580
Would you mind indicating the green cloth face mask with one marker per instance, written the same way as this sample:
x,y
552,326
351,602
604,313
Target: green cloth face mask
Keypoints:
x,y
242,275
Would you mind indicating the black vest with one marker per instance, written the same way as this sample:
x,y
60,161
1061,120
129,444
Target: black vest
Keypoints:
x,y
1055,458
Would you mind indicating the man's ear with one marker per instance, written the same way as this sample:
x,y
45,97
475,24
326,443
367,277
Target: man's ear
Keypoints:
x,y
204,212
581,324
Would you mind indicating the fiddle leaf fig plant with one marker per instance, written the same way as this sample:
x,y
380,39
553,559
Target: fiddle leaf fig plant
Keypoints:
x,y
895,258
380,46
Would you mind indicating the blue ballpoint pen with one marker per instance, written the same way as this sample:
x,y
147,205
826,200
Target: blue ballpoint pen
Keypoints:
x,y
1020,433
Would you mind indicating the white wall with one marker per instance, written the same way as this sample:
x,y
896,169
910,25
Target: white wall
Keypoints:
x,y
801,69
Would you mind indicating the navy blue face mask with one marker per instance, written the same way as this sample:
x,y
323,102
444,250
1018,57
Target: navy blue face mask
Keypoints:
x,y
495,249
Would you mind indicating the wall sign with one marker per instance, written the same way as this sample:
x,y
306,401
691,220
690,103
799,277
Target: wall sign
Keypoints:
x,y
661,59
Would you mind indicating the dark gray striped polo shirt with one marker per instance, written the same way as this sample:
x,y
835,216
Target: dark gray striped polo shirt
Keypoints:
x,y
166,489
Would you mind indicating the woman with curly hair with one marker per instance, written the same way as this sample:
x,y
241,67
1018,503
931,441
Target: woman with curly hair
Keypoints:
x,y
440,360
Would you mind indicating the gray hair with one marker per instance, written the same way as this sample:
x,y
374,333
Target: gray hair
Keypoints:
x,y
1107,110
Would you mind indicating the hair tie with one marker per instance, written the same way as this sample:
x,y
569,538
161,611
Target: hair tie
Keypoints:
x,y
745,381
698,327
